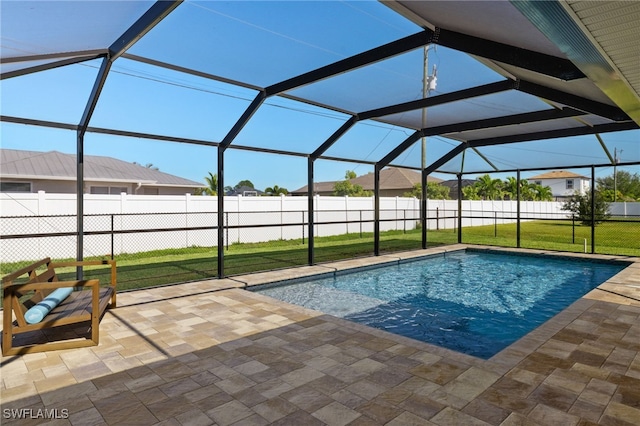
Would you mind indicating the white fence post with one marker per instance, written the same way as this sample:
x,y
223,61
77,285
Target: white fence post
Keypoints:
x,y
187,209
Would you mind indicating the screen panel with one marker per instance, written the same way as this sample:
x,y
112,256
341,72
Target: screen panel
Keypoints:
x,y
264,42
143,98
43,27
58,94
368,141
288,125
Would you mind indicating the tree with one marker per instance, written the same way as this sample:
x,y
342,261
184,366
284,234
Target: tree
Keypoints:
x,y
528,191
489,189
435,191
346,187
471,193
542,193
510,188
626,183
608,195
212,185
242,183
275,190
580,207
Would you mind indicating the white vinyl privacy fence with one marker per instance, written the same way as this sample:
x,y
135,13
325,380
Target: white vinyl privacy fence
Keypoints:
x,y
39,225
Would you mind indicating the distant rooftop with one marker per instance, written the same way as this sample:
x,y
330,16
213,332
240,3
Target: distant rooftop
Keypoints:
x,y
60,166
558,174
390,178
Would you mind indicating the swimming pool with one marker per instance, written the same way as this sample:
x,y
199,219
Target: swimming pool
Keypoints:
x,y
476,302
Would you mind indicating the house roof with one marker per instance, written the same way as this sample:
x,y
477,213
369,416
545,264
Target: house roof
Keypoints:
x,y
558,174
317,187
55,165
390,178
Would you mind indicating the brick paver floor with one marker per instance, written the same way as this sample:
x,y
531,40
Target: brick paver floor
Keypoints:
x,y
212,353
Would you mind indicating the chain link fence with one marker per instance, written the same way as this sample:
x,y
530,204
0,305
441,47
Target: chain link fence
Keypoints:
x,y
165,248
617,235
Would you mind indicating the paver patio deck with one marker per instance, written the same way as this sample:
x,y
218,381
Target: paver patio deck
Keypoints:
x,y
212,353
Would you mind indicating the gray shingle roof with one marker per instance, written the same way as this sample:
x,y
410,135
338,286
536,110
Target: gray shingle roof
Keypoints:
x,y
57,165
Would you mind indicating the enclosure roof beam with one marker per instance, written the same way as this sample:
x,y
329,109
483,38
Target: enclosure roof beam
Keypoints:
x,y
400,148
485,89
540,169
558,133
413,105
508,120
56,55
51,65
584,104
334,137
602,128
34,122
189,71
156,13
523,58
365,58
438,100
449,97
243,120
376,54
445,158
486,160
101,78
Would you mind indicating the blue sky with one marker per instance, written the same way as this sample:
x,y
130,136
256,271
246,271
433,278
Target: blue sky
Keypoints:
x,y
265,48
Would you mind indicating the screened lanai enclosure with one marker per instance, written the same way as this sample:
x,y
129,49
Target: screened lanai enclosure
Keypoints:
x,y
301,91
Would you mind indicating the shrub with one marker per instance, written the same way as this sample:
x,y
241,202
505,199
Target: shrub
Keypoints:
x,y
580,207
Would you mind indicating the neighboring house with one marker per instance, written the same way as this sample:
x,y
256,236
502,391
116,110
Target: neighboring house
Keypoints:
x,y
394,182
245,191
563,184
55,172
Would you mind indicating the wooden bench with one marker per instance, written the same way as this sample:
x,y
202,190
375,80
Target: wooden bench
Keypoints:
x,y
32,284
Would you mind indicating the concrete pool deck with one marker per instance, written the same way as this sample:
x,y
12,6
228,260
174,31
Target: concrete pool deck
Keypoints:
x,y
210,352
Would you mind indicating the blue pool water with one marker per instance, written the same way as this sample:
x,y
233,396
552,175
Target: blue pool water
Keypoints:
x,y
472,302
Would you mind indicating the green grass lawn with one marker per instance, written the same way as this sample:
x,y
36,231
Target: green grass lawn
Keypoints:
x,y
197,263
621,237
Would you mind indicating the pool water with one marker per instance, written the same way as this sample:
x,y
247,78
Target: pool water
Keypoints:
x,y
472,302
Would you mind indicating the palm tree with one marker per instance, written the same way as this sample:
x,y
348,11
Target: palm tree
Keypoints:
x,y
212,185
276,190
527,190
489,189
471,193
510,187
543,193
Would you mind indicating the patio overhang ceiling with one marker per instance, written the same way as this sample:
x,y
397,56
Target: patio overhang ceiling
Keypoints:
x,y
596,40
568,54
